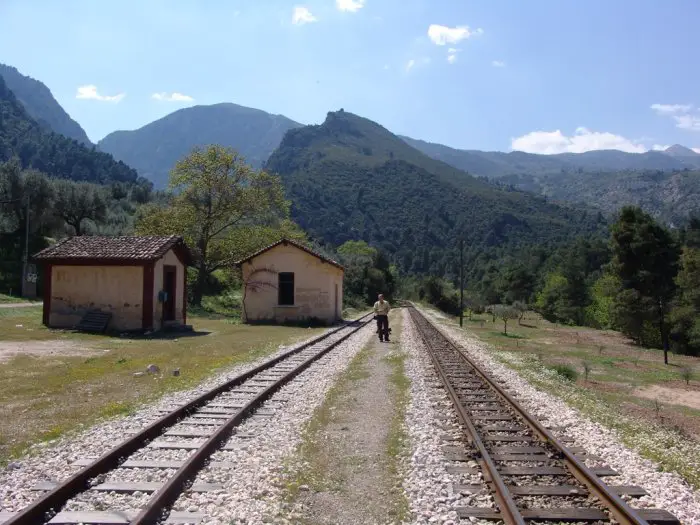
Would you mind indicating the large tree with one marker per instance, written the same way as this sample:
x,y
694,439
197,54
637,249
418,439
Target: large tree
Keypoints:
x,y
686,313
222,207
645,259
76,202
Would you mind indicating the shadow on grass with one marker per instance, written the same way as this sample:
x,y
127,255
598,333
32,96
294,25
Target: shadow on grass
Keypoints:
x,y
508,336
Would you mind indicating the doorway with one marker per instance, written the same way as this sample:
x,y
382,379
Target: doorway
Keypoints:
x,y
170,288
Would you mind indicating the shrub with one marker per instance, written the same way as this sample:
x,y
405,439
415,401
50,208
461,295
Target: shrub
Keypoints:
x,y
566,372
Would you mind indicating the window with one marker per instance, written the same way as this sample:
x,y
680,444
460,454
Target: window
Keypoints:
x,y
285,289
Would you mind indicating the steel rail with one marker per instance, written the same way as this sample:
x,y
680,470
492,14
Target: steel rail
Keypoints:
x,y
168,494
509,510
623,513
37,511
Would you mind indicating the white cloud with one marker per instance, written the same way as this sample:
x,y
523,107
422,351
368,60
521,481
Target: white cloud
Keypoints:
x,y
498,63
659,147
172,97
89,92
551,142
452,55
350,5
670,109
443,35
691,122
410,65
302,15
696,150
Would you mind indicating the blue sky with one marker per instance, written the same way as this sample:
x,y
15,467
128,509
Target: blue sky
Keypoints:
x,y
536,75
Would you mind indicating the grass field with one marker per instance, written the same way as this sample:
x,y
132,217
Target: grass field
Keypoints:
x,y
52,382
628,388
12,299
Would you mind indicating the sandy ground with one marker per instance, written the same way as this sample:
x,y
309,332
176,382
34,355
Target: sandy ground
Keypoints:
x,y
18,305
673,396
354,451
10,349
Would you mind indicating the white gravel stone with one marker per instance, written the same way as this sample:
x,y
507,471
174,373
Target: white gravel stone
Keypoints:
x,y
254,486
667,491
52,461
427,483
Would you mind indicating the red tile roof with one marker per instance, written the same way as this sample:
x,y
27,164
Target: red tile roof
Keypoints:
x,y
295,244
144,248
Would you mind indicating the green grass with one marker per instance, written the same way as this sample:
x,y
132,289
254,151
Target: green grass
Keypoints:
x,y
12,299
38,392
312,453
313,463
397,442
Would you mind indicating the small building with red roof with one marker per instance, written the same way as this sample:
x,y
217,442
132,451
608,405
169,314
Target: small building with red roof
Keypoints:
x,y
290,282
120,283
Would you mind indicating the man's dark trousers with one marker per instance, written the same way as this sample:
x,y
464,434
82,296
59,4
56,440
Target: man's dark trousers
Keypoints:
x,y
383,326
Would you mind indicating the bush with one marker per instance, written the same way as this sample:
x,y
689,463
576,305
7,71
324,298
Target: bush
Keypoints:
x,y
565,372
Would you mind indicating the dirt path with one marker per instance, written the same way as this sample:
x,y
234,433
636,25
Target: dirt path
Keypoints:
x,y
18,305
352,470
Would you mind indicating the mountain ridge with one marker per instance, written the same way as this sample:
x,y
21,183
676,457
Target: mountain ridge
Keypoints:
x,y
154,149
41,105
350,178
50,152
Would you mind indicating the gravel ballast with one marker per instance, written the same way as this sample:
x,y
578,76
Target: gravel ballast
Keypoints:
x,y
253,487
53,461
666,490
427,482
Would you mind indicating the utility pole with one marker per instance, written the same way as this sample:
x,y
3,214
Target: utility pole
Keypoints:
x,y
25,256
461,282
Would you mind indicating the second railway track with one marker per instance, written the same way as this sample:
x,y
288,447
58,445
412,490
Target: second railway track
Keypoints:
x,y
193,432
531,474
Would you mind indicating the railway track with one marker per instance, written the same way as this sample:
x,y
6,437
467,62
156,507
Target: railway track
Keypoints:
x,y
531,474
192,432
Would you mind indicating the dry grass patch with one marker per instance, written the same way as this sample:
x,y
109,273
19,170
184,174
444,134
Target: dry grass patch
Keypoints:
x,y
48,390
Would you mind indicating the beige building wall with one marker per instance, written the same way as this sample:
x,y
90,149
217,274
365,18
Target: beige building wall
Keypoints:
x,y
318,287
77,289
169,259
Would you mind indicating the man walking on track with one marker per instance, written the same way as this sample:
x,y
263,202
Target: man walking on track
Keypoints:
x,y
381,313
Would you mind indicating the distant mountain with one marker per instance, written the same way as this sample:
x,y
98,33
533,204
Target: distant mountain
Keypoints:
x,y
40,104
50,152
664,183
155,148
681,152
350,178
495,164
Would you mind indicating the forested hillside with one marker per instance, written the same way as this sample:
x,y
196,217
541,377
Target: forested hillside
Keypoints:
x,y
672,196
665,184
351,179
495,164
70,188
50,152
41,105
155,148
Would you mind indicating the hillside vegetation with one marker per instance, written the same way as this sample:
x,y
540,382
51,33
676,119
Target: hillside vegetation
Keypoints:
x,y
41,105
494,164
352,179
50,152
155,148
665,184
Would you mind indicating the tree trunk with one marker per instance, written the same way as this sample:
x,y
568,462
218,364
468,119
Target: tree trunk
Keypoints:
x,y
664,335
505,327
198,291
